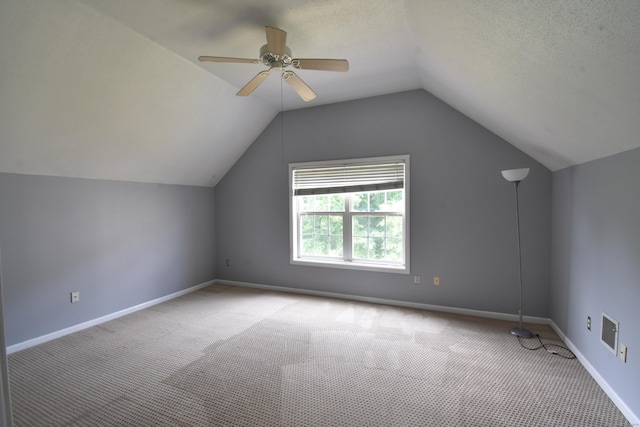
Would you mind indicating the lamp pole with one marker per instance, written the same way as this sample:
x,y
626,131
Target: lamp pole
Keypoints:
x,y
519,331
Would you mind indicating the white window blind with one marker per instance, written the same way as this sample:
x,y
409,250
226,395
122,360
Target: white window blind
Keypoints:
x,y
348,178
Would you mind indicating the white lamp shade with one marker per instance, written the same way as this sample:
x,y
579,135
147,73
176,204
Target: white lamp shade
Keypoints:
x,y
515,174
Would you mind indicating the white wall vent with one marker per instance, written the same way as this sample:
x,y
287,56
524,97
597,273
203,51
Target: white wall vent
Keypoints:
x,y
609,335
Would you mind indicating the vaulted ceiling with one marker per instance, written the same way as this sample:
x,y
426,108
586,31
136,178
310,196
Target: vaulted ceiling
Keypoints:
x,y
112,89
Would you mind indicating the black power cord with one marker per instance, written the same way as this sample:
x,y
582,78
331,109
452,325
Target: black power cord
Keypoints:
x,y
549,350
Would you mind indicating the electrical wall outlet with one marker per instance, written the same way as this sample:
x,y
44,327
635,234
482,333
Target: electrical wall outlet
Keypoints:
x,y
589,323
436,280
623,353
416,279
75,296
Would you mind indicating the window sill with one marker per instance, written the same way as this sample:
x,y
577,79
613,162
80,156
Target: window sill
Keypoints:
x,y
400,269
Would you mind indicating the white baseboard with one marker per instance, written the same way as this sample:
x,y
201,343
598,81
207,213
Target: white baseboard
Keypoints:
x,y
626,411
454,310
84,325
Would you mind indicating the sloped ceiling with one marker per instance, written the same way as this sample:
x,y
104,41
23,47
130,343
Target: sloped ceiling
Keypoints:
x,y
112,89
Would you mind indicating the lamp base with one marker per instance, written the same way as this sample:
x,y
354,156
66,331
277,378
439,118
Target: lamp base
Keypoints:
x,y
521,332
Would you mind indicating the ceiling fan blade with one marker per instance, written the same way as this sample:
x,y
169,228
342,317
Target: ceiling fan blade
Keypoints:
x,y
225,59
321,64
254,83
276,40
298,85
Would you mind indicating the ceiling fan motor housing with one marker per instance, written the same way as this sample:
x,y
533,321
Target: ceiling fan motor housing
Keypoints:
x,y
272,60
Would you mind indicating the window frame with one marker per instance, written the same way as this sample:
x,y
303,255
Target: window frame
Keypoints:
x,y
294,222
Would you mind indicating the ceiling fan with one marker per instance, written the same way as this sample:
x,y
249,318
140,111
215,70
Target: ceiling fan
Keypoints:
x,y
277,56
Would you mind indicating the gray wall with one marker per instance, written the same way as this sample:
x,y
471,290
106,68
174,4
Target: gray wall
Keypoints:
x,y
462,210
119,243
596,263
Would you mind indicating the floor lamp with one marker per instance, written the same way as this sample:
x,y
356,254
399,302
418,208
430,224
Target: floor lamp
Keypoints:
x,y
515,176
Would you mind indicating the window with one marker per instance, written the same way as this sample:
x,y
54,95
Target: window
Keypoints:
x,y
351,214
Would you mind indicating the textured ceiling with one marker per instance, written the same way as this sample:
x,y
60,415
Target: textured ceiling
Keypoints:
x,y
112,89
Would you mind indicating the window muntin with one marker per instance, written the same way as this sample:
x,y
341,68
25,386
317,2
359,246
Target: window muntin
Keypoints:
x,y
321,235
334,225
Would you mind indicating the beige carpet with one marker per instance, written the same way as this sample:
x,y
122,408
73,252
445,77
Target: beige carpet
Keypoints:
x,y
234,356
